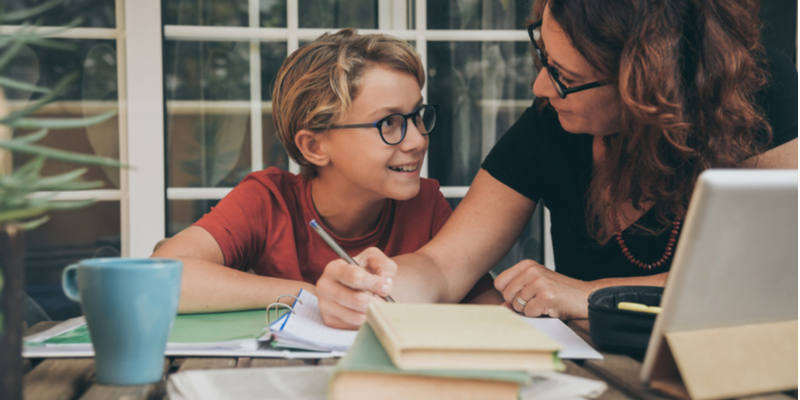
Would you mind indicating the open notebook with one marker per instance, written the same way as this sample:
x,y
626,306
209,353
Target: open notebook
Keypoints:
x,y
304,329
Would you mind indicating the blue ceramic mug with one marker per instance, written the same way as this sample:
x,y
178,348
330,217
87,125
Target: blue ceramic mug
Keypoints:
x,y
130,305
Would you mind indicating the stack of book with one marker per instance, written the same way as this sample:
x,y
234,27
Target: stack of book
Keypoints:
x,y
434,351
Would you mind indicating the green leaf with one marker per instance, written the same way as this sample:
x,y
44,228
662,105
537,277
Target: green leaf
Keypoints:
x,y
30,170
10,186
67,181
33,137
25,14
57,179
68,205
71,186
62,182
14,182
61,123
60,155
10,83
38,201
18,214
28,202
10,53
62,84
26,226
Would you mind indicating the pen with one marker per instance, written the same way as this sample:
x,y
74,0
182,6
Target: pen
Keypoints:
x,y
338,249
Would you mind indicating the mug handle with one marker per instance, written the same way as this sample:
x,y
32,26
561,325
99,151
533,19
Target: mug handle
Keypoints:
x,y
69,282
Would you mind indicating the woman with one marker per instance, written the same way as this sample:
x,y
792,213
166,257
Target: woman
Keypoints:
x,y
635,99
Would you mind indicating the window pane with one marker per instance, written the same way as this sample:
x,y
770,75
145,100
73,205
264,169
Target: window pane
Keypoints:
x,y
69,236
183,213
95,13
208,113
481,89
272,149
93,92
273,13
478,14
272,56
338,14
205,12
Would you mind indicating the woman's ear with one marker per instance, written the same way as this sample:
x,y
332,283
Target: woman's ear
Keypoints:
x,y
310,146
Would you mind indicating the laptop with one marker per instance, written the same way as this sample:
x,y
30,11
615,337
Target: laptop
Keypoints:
x,y
736,261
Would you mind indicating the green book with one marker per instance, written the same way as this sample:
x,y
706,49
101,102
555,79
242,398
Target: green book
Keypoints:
x,y
367,372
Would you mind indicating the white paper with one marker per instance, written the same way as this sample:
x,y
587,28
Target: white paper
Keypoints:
x,y
303,328
573,346
277,383
548,385
65,326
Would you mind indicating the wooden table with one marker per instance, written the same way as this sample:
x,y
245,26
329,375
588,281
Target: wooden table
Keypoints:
x,y
74,378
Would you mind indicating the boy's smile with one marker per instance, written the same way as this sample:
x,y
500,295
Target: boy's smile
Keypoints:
x,y
405,168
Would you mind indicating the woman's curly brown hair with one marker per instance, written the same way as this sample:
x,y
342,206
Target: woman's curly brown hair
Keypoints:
x,y
687,72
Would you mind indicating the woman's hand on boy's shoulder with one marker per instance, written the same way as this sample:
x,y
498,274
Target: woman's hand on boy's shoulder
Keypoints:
x,y
345,290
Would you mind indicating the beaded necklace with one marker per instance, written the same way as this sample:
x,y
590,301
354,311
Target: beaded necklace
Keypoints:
x,y
676,225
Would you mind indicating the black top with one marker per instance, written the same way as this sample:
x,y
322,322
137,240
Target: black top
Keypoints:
x,y
540,160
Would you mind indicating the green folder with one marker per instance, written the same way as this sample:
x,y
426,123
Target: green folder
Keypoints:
x,y
195,328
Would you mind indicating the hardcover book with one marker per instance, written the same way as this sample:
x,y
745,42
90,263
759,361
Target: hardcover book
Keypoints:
x,y
461,336
367,372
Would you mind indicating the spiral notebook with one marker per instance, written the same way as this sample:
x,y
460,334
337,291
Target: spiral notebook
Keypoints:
x,y
304,329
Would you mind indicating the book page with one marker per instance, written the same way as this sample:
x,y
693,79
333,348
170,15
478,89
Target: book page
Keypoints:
x,y
573,347
304,326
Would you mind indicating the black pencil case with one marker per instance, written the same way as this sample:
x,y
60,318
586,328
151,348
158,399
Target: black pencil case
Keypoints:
x,y
622,331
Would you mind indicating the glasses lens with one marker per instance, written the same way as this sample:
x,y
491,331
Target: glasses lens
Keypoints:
x,y
393,128
554,78
425,119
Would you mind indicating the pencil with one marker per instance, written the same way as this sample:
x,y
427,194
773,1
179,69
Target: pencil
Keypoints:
x,y
338,249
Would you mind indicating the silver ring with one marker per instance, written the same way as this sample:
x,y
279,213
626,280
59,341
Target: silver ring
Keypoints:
x,y
519,300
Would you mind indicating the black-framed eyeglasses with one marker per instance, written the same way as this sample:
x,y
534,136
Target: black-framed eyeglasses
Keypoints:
x,y
393,127
555,76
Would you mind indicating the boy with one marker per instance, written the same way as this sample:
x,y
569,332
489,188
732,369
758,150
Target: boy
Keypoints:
x,y
348,109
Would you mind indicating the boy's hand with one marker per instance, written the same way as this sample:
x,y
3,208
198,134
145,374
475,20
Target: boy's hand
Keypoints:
x,y
345,290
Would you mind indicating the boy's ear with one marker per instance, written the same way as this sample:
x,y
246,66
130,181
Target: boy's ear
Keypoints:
x,y
309,145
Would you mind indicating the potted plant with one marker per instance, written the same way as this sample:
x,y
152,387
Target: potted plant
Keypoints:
x,y
25,195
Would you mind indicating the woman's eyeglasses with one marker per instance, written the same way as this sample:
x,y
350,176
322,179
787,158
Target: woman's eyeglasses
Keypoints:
x,y
393,127
555,76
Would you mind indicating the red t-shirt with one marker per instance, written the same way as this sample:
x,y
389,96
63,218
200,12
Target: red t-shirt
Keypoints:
x,y
262,224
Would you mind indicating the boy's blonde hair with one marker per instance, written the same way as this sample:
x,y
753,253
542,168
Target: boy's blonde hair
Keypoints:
x,y
317,84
